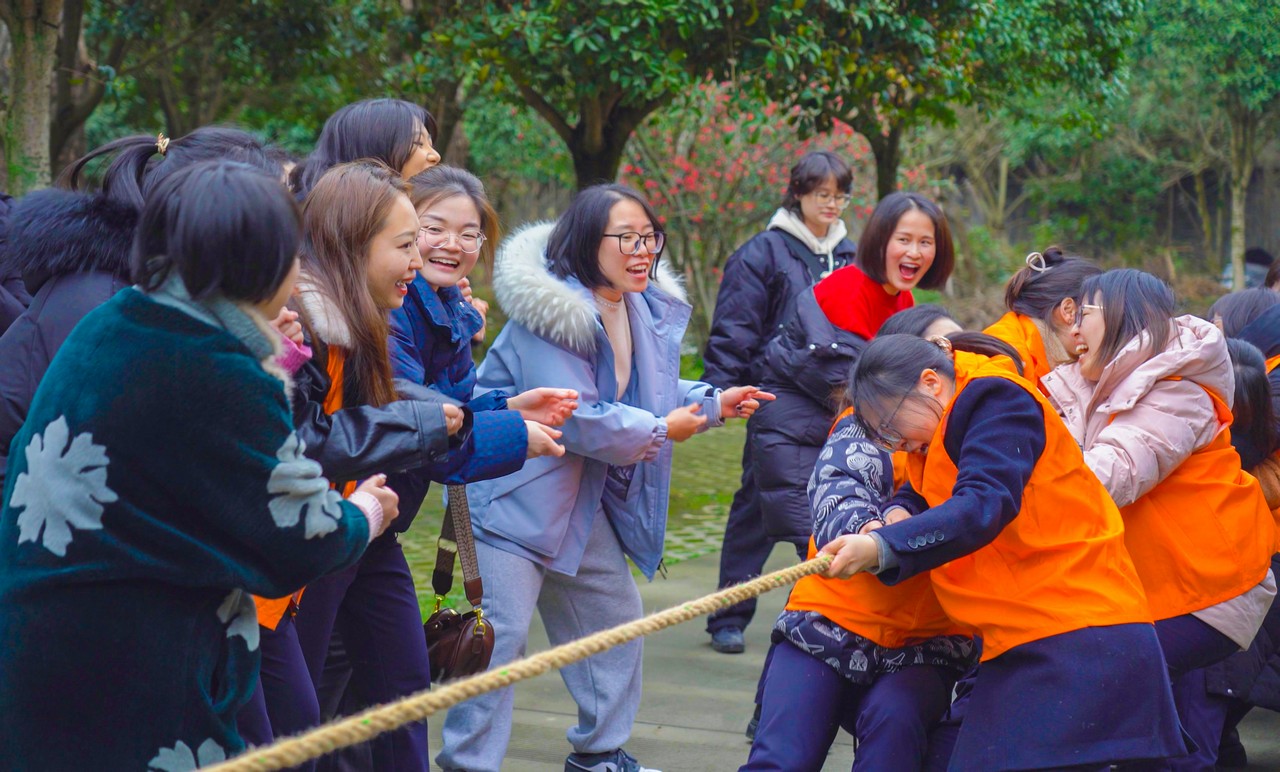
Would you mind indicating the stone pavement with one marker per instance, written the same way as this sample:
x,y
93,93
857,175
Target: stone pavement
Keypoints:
x,y
697,702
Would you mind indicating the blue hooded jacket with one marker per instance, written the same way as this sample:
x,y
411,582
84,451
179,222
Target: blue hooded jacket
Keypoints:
x,y
617,450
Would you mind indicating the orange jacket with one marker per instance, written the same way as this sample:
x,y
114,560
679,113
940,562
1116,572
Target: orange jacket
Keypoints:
x,y
1059,566
893,617
272,610
1203,534
1021,333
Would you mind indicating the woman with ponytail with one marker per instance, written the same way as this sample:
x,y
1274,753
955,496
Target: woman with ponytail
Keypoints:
x,y
71,248
1025,548
1042,299
1148,400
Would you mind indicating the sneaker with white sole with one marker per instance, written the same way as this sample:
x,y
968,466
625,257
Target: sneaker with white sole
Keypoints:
x,y
612,761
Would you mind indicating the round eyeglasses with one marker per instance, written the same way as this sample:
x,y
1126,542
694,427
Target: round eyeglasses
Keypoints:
x,y
436,237
629,242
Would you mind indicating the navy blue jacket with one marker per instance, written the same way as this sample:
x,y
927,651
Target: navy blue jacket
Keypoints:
x,y
757,293
1264,332
431,346
805,367
72,253
14,297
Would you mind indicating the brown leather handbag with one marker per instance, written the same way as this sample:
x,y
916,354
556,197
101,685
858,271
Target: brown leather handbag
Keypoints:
x,y
458,644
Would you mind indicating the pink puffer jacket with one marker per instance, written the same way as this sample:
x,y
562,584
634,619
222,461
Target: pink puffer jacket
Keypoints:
x,y
1135,424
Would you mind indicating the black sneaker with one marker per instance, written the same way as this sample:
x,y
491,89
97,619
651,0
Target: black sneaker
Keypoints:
x,y
729,640
613,761
753,725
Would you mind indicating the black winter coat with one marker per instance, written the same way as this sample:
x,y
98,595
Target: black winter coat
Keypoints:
x,y
1264,332
806,367
757,295
1253,675
14,297
72,252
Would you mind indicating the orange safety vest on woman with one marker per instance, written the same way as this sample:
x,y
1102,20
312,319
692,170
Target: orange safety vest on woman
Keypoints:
x,y
272,610
1021,333
1060,565
891,616
1204,534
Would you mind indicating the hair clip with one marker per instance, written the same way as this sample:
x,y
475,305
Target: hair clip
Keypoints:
x,y
162,143
1035,261
942,342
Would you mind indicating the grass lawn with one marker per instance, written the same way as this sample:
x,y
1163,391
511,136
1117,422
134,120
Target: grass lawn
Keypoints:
x,y
704,477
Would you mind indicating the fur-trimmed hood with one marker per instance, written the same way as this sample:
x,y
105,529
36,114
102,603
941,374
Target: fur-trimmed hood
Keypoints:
x,y
560,310
54,232
321,313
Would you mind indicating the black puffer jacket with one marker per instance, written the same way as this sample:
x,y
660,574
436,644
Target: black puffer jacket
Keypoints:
x,y
72,251
806,367
757,294
14,297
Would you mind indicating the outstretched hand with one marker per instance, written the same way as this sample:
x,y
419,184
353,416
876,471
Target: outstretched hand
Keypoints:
x,y
684,422
742,401
545,405
542,440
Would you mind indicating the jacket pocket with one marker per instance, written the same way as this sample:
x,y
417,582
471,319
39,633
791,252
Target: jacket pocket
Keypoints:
x,y
534,509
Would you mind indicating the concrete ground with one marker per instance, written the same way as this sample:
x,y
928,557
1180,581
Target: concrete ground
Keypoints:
x,y
697,702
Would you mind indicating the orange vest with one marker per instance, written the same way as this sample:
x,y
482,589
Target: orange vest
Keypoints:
x,y
1060,565
1204,534
1021,333
891,616
272,610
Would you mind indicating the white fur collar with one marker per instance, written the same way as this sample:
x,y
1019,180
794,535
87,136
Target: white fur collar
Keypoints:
x,y
548,306
322,314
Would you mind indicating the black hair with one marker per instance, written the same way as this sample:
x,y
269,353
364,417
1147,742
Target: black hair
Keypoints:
x,y
1239,309
873,246
1258,256
573,249
1132,301
379,129
915,320
812,171
1040,287
142,161
889,367
227,228
1253,431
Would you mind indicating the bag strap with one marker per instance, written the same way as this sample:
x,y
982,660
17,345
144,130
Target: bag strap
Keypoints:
x,y
799,251
456,538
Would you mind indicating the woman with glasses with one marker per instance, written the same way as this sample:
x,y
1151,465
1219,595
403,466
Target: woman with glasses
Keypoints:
x,y
1025,547
805,240
1042,299
1149,400
592,309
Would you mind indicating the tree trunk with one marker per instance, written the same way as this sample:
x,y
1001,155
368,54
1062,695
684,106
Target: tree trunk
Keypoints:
x,y
33,29
1206,216
887,149
599,167
1243,133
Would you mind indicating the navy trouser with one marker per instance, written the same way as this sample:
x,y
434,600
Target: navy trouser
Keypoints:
x,y
744,551
284,702
806,702
374,607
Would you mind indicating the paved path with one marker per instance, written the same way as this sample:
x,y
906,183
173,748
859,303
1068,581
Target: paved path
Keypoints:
x,y
697,702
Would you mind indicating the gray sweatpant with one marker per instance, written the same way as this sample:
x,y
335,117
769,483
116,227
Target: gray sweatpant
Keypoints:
x,y
606,686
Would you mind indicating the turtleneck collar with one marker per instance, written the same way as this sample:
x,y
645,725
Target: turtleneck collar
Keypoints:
x,y
241,321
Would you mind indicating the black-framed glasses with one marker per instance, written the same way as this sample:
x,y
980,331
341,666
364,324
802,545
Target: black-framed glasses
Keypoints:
x,y
630,241
840,199
436,237
1080,311
882,435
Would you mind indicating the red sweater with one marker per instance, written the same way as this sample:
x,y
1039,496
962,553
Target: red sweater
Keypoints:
x,y
854,301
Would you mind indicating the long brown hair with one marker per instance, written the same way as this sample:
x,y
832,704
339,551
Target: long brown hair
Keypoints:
x,y
441,182
340,218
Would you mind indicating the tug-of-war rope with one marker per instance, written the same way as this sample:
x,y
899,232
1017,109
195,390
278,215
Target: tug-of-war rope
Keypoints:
x,y
365,726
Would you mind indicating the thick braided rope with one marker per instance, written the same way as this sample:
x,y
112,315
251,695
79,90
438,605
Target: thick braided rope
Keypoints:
x,y
385,718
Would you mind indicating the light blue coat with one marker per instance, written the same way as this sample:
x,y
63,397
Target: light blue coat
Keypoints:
x,y
617,451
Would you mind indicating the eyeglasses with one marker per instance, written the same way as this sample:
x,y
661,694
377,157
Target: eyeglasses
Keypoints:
x,y
629,242
841,200
1080,311
436,237
882,435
